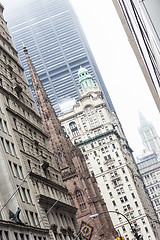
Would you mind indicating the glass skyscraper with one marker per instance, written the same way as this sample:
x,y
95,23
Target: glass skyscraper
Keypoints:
x,y
56,43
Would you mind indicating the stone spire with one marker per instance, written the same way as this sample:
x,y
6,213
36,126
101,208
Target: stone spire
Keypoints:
x,y
83,188
51,123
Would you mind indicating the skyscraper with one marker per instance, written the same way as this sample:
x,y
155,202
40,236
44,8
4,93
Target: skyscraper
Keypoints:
x,y
149,168
141,39
149,136
57,45
151,11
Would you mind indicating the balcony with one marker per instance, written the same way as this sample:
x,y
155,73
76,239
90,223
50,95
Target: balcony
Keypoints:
x,y
44,200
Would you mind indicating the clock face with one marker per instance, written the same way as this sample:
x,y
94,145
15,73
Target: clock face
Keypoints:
x,y
86,231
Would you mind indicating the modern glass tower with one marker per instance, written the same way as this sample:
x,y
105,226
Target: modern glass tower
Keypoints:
x,y
140,20
57,45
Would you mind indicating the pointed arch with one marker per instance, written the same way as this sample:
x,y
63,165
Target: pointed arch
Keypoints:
x,y
80,199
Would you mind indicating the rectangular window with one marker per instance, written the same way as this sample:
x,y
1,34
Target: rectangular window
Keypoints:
x,y
1,125
120,162
6,127
98,161
89,165
136,203
10,164
20,168
126,178
107,186
6,235
16,170
104,178
15,123
27,217
16,236
13,149
113,145
117,155
36,216
2,140
33,220
20,193
8,147
24,195
92,145
21,140
21,236
95,153
27,237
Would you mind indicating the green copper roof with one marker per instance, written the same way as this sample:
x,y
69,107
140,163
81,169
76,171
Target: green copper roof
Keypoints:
x,y
85,78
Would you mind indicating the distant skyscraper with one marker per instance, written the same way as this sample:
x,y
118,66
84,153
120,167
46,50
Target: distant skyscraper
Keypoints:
x,y
149,168
143,39
57,45
149,136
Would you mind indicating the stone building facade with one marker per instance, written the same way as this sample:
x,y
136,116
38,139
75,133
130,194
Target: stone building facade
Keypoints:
x,y
83,189
149,136
30,181
100,137
149,168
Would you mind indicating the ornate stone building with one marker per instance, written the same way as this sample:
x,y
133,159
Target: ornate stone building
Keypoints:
x,y
30,181
149,168
83,189
100,137
149,136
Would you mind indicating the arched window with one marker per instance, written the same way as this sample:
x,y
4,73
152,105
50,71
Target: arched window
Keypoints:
x,y
80,200
74,129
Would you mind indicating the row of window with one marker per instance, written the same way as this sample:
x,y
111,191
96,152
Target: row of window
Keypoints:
x,y
25,195
8,147
80,200
5,235
16,170
3,126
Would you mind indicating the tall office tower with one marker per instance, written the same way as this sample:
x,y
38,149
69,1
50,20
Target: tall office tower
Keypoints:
x,y
98,133
149,136
29,178
57,45
83,189
149,168
142,40
151,10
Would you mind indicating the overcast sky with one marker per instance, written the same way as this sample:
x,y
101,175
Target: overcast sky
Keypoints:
x,y
117,63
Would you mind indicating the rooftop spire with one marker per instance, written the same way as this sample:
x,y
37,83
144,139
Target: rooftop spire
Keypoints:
x,y
83,188
50,121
